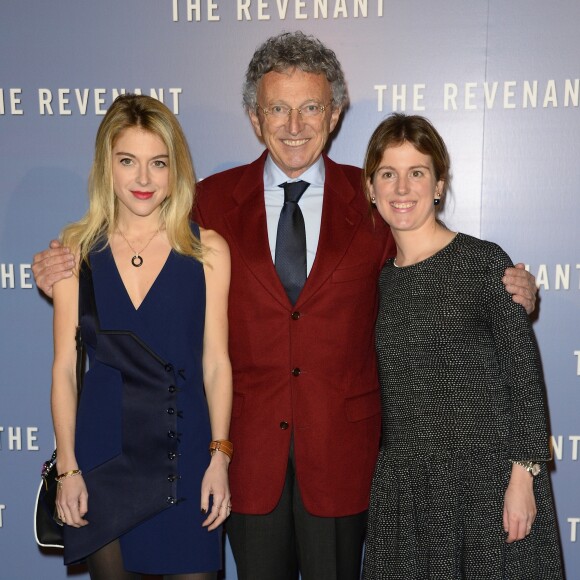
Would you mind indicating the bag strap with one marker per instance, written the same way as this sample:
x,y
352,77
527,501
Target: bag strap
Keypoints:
x,y
81,350
88,310
80,359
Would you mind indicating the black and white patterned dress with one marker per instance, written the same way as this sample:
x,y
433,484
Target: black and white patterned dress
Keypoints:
x,y
462,394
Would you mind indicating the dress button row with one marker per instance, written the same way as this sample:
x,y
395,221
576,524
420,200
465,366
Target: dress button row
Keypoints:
x,y
283,425
296,371
295,315
172,455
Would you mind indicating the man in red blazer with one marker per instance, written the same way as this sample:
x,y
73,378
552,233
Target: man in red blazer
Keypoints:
x,y
306,413
304,374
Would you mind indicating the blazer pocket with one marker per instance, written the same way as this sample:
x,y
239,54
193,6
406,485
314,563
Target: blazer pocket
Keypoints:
x,y
363,406
237,404
353,273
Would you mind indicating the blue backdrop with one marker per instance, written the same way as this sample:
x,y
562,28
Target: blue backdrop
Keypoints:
x,y
499,79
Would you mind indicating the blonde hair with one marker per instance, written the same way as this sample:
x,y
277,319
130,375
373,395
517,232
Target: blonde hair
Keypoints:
x,y
100,220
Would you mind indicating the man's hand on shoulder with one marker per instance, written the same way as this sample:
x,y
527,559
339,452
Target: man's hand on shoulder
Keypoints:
x,y
522,286
52,265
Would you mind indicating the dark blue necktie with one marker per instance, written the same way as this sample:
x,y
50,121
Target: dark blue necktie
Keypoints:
x,y
290,259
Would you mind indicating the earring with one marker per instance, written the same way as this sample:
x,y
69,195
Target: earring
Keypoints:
x,y
373,199
436,201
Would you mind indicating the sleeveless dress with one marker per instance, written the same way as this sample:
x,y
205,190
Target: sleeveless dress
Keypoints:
x,y
462,394
143,427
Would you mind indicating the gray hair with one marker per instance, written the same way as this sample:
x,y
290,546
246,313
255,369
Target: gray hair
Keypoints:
x,y
294,50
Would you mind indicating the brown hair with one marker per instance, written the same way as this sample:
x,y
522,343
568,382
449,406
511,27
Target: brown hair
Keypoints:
x,y
399,128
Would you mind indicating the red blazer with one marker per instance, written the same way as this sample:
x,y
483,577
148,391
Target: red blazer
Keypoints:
x,y
308,370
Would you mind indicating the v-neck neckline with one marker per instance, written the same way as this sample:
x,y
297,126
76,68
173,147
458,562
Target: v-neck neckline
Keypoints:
x,y
120,278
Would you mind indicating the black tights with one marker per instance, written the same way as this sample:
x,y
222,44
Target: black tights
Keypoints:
x,y
107,564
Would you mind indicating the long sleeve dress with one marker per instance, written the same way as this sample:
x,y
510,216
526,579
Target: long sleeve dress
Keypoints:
x,y
462,395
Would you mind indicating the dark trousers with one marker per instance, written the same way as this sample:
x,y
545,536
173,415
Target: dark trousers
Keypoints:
x,y
289,540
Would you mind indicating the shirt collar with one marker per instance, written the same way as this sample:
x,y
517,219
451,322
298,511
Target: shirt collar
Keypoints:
x,y
274,176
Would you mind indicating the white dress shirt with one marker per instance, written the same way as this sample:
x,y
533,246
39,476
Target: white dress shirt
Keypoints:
x,y
310,203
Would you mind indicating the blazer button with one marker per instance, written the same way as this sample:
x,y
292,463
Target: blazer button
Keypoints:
x,y
171,500
171,411
296,372
295,315
171,455
283,425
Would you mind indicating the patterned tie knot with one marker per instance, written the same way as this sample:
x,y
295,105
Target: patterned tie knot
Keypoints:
x,y
293,190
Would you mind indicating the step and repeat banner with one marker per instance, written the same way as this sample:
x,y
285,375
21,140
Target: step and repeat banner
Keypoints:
x,y
500,80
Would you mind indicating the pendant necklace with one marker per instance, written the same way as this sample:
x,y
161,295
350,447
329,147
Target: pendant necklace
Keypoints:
x,y
137,260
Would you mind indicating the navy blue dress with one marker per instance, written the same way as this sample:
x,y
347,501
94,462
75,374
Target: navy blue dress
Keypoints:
x,y
143,426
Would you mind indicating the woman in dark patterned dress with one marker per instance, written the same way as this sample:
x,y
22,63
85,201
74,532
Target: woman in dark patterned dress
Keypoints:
x,y
138,491
461,488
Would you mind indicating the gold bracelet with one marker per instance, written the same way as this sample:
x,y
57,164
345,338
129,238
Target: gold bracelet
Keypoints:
x,y
223,445
66,474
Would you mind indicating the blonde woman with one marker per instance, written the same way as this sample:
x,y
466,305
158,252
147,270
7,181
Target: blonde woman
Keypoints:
x,y
139,491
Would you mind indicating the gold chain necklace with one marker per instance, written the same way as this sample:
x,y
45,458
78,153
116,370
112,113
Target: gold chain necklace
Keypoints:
x,y
137,260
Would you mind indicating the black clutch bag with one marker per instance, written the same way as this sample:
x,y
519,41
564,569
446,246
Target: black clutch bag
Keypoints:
x,y
47,526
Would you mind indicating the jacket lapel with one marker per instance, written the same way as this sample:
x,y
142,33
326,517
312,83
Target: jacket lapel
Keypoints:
x,y
249,230
340,222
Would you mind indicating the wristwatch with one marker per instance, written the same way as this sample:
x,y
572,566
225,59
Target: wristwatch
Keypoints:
x,y
532,468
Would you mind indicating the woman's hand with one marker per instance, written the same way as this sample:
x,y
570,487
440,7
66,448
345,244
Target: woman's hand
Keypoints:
x,y
217,375
519,509
72,501
215,483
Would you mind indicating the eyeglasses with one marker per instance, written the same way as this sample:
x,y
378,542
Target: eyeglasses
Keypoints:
x,y
282,112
